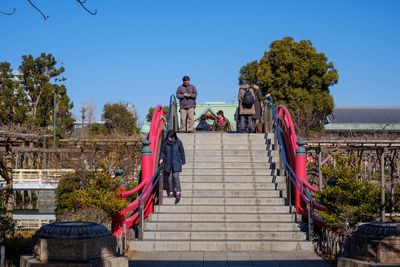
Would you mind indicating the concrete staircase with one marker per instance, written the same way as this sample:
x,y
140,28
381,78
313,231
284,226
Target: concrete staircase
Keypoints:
x,y
232,200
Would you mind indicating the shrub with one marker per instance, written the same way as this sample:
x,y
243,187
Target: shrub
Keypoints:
x,y
349,200
98,189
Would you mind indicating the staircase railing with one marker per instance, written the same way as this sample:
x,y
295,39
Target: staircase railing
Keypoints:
x,y
142,207
284,168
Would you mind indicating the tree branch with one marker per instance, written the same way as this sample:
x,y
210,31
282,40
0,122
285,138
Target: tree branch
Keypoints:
x,y
81,2
40,11
8,14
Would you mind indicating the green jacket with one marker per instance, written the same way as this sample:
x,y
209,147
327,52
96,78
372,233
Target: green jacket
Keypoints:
x,y
218,126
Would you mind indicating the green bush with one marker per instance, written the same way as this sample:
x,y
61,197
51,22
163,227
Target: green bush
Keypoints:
x,y
97,189
349,200
17,245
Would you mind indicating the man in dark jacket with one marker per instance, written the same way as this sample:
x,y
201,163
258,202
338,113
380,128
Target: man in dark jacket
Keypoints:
x,y
187,94
173,156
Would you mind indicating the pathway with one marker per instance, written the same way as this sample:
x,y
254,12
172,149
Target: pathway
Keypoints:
x,y
222,259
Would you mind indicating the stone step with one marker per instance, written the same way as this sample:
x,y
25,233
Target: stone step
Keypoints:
x,y
225,165
221,226
230,171
236,159
226,217
231,186
257,235
221,246
231,193
194,201
232,178
212,209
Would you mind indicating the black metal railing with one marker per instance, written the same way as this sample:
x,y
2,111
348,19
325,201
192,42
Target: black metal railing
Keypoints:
x,y
284,166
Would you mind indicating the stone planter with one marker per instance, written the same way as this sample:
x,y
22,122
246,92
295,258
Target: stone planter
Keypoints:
x,y
78,243
373,244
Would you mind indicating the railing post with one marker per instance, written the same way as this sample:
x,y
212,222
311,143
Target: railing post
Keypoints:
x,y
309,221
3,256
160,187
140,224
271,119
147,162
301,169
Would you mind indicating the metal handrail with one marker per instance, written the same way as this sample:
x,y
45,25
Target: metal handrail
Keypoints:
x,y
286,163
290,173
172,114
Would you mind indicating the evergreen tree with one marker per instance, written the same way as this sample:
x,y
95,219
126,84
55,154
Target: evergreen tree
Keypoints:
x,y
297,76
13,101
40,78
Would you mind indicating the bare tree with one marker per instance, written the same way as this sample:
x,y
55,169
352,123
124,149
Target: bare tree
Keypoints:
x,y
45,17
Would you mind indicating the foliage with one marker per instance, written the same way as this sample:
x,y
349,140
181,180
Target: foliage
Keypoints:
x,y
97,129
349,200
119,119
98,189
7,228
17,245
39,80
28,98
13,103
297,76
149,115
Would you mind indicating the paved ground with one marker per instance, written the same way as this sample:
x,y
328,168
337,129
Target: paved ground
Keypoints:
x,y
211,259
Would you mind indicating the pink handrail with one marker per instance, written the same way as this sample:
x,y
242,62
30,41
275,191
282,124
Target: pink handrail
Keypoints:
x,y
290,143
156,128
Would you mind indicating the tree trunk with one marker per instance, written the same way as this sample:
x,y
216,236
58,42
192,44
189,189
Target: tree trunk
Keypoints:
x,y
10,191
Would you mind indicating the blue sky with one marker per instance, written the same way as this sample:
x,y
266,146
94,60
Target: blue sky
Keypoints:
x,y
138,51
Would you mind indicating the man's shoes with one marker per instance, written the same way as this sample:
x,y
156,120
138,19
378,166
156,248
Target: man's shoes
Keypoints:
x,y
170,194
178,195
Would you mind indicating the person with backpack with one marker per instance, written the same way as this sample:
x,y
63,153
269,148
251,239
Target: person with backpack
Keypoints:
x,y
172,155
221,123
246,99
203,126
187,93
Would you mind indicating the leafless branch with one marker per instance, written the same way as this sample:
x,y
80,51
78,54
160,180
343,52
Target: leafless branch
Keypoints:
x,y
8,14
81,2
40,11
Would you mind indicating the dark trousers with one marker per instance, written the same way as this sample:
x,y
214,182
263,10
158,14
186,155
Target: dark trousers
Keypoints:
x,y
173,182
246,123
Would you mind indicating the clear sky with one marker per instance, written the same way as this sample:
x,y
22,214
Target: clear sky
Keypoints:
x,y
138,51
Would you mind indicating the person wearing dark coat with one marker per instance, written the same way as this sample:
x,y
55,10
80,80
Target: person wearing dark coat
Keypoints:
x,y
172,155
257,103
203,126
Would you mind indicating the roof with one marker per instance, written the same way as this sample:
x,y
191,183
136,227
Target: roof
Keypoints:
x,y
229,109
365,115
364,118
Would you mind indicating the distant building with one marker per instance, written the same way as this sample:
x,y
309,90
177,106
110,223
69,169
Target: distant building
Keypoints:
x,y
361,119
209,109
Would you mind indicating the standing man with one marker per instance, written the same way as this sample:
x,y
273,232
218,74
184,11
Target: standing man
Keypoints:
x,y
187,94
246,99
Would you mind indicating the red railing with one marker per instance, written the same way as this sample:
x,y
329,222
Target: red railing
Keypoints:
x,y
289,137
149,171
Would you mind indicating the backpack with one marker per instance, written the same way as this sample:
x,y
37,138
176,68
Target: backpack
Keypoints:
x,y
248,99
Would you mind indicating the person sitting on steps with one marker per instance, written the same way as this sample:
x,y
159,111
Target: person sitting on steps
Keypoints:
x,y
203,126
221,123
